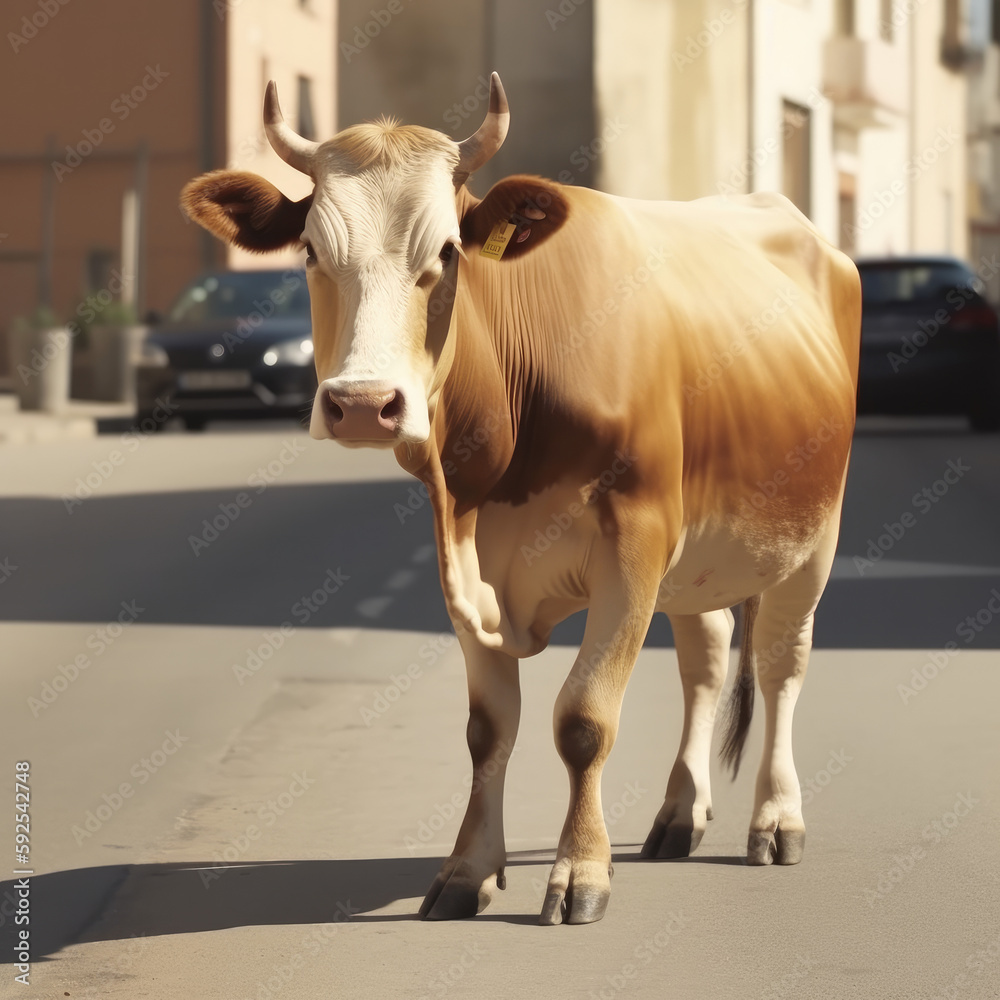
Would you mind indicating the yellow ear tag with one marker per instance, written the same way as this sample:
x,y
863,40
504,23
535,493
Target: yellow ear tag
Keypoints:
x,y
497,241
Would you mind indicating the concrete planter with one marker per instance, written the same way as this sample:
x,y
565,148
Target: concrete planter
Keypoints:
x,y
40,360
114,352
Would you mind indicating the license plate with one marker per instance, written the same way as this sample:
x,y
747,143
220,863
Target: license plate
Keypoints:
x,y
214,380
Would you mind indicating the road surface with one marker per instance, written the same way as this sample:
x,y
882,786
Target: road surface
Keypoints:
x,y
227,663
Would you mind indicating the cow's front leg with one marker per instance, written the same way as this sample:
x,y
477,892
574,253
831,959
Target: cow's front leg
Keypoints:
x,y
468,879
703,643
586,724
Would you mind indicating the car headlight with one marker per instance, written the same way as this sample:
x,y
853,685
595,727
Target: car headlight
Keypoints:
x,y
152,355
289,352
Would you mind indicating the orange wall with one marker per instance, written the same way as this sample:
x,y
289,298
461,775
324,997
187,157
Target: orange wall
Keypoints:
x,y
69,78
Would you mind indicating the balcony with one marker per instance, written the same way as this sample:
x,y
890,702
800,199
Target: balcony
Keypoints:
x,y
866,79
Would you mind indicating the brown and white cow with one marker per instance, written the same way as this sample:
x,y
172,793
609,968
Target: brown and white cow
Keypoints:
x,y
661,397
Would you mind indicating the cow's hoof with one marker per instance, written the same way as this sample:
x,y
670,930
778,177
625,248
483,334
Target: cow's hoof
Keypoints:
x,y
674,835
457,893
578,892
783,847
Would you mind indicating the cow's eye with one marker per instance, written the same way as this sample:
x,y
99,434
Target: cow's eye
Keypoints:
x,y
447,252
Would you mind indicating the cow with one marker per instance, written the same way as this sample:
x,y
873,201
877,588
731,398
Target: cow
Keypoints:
x,y
618,405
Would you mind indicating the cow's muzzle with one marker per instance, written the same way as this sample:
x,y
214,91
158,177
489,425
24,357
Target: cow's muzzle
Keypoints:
x,y
366,412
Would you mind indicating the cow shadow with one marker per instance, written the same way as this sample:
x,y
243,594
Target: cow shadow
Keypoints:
x,y
126,902
361,555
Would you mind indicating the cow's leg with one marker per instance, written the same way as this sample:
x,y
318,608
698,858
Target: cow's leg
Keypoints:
x,y
703,643
586,724
782,641
468,878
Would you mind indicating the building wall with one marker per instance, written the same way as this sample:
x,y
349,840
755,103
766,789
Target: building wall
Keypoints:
x,y
430,64
938,146
279,40
65,85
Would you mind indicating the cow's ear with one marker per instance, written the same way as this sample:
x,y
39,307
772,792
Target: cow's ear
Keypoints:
x,y
517,201
245,209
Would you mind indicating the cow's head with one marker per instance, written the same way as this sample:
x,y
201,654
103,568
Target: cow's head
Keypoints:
x,y
382,234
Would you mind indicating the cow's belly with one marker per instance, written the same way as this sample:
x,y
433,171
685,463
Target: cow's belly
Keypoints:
x,y
535,558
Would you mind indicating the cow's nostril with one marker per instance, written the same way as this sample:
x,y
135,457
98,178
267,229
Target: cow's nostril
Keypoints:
x,y
393,408
332,407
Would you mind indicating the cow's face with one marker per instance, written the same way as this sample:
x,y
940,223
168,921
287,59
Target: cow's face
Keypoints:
x,y
381,232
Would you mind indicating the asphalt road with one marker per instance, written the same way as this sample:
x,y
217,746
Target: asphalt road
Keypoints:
x,y
230,670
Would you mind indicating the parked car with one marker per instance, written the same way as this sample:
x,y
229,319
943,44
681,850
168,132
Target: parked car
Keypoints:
x,y
234,344
930,341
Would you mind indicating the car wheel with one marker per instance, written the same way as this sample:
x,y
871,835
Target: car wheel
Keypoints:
x,y
985,415
195,423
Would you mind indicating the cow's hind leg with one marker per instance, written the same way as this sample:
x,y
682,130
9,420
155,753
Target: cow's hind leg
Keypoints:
x,y
468,878
703,643
586,724
782,641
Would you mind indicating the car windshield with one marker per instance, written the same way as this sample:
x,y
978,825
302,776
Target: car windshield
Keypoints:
x,y
236,294
912,282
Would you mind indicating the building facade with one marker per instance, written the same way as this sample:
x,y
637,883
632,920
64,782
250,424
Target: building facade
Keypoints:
x,y
117,107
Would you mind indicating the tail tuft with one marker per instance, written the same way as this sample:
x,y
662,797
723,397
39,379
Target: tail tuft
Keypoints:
x,y
739,711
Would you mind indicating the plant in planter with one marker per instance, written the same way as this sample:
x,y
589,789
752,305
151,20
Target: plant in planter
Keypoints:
x,y
40,353
114,341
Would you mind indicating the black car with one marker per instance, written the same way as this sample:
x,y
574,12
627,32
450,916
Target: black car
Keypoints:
x,y
930,341
235,344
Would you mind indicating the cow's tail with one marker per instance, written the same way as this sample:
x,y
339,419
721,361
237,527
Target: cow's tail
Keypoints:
x,y
739,711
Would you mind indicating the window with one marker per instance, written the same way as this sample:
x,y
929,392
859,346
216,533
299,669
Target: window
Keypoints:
x,y
844,17
796,161
100,261
885,25
307,121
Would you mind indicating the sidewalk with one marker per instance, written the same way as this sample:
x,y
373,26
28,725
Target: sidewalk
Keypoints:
x,y
77,420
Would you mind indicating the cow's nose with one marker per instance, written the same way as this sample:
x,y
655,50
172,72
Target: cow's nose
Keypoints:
x,y
363,415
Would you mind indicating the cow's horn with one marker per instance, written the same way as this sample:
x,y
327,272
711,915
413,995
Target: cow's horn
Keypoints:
x,y
479,148
285,141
